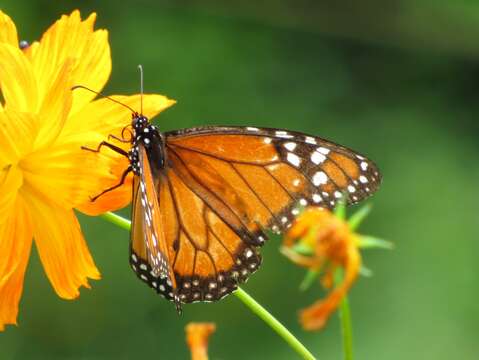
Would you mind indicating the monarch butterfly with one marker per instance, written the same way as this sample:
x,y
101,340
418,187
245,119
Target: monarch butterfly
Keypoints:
x,y
203,198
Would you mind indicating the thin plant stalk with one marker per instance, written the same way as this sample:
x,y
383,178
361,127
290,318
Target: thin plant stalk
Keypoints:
x,y
269,319
346,323
242,295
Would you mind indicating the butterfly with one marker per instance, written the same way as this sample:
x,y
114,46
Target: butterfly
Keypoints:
x,y
204,197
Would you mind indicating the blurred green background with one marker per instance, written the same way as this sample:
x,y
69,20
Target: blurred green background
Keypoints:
x,y
397,80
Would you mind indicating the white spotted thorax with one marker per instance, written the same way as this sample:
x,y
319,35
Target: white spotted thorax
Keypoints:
x,y
143,133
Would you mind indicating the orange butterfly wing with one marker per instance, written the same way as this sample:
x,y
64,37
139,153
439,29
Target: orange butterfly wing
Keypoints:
x,y
148,248
263,174
197,225
224,186
209,254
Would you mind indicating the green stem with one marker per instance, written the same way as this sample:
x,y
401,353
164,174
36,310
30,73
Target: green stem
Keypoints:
x,y
346,325
251,303
117,220
269,319
346,329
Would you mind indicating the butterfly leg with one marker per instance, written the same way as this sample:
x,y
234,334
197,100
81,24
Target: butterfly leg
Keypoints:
x,y
108,145
122,181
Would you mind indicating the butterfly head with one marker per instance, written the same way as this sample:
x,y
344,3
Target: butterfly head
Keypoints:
x,y
139,122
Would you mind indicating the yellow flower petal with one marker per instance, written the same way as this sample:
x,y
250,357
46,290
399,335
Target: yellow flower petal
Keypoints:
x,y
17,132
17,79
55,107
10,181
333,245
72,38
8,31
316,315
62,248
65,174
107,117
112,200
197,336
15,241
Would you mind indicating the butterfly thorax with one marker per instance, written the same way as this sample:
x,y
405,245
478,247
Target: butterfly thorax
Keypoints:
x,y
151,139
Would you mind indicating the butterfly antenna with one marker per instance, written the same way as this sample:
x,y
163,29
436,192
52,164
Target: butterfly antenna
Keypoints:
x,y
141,88
104,96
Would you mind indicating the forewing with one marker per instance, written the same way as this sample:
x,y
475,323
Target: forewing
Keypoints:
x,y
149,256
263,175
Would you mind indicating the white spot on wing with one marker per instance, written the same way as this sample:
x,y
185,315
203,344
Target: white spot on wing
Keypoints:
x,y
155,241
317,158
290,146
317,198
283,134
323,150
293,159
363,179
310,140
364,165
320,178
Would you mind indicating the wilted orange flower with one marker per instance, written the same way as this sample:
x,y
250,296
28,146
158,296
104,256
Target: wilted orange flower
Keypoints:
x,y
44,174
197,335
333,246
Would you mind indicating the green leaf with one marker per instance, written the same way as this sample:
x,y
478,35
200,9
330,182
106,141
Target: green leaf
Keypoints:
x,y
309,279
357,218
371,242
366,272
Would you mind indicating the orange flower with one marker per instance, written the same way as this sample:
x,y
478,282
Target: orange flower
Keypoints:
x,y
197,335
44,174
333,246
